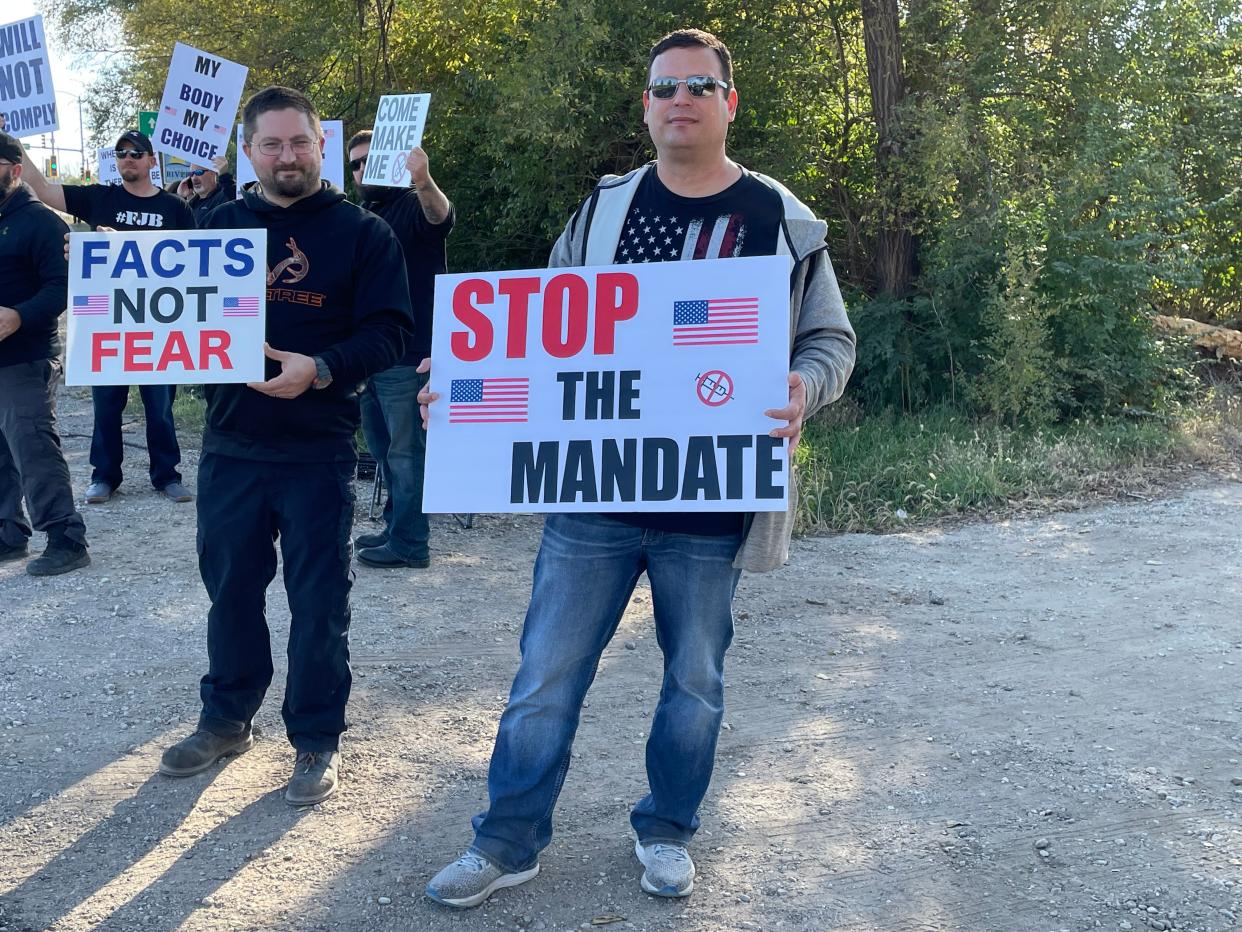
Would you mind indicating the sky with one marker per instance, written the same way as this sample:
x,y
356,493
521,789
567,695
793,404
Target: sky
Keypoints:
x,y
68,80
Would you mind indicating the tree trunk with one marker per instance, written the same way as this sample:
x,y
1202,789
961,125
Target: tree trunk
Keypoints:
x,y
886,75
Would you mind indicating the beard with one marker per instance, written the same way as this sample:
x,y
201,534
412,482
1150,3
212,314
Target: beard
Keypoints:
x,y
297,181
8,184
131,173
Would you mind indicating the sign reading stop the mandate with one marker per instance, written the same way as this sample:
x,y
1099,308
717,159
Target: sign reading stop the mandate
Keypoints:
x,y
166,308
612,389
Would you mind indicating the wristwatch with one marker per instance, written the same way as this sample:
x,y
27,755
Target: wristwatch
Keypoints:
x,y
323,376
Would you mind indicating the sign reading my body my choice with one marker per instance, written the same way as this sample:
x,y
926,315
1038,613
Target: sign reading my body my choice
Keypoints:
x,y
614,388
26,96
166,308
199,103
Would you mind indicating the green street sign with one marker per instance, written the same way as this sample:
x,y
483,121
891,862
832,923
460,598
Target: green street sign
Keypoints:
x,y
146,122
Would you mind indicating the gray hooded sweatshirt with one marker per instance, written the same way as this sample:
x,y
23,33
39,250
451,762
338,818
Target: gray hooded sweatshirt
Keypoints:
x,y
821,340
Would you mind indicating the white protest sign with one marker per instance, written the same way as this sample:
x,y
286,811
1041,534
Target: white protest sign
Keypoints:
x,y
199,103
333,168
27,99
614,388
171,308
399,123
108,173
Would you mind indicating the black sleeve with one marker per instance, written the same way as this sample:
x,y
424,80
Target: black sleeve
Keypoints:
x,y
435,232
383,318
82,201
47,259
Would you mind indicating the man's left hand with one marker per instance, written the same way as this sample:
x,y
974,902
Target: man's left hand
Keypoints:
x,y
296,374
792,413
418,166
10,322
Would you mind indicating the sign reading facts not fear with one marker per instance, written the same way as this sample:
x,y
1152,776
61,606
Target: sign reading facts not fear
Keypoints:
x,y
166,308
615,388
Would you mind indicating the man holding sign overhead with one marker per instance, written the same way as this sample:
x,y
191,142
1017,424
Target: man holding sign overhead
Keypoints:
x,y
135,204
692,203
422,218
278,456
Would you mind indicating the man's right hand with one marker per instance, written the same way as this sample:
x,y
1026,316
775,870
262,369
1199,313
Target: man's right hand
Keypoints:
x,y
97,230
425,395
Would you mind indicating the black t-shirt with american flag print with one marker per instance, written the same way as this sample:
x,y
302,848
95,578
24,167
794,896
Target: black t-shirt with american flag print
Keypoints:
x,y
742,220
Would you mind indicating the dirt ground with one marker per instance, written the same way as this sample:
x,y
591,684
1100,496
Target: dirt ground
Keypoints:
x,y
1033,724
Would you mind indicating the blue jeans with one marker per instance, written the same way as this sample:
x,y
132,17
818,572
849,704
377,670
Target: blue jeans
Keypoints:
x,y
395,436
107,447
585,573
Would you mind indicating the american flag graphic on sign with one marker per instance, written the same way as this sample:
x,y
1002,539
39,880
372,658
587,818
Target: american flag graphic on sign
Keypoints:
x,y
716,322
171,111
90,304
489,401
241,307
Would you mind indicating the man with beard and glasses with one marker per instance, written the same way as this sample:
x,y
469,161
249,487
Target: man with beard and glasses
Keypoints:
x,y
134,204
279,457
205,189
33,284
422,218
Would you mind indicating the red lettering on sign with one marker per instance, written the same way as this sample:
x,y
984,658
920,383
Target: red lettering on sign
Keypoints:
x,y
100,352
565,302
176,350
518,291
137,347
475,344
616,299
214,344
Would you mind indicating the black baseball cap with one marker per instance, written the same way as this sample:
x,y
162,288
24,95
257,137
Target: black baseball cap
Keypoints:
x,y
136,139
10,149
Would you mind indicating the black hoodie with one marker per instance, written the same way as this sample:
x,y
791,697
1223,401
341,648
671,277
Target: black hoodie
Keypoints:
x,y
337,290
34,277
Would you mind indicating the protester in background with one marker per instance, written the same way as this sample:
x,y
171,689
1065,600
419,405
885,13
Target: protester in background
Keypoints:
x,y
205,189
278,456
422,218
709,207
33,286
135,204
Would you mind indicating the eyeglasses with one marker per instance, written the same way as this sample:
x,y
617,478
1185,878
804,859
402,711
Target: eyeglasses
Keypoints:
x,y
271,147
196,172
355,164
699,85
130,154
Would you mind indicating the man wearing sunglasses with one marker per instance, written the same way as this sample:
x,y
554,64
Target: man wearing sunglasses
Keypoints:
x,y
693,202
135,204
205,189
33,283
422,218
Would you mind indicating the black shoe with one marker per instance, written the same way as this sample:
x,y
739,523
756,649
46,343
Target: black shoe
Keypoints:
x,y
15,552
201,750
314,777
61,556
367,541
384,557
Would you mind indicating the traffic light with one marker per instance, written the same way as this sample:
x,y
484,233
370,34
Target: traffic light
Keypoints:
x,y
52,169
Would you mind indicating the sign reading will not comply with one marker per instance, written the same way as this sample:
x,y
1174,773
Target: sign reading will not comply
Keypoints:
x,y
613,388
152,308
26,96
199,103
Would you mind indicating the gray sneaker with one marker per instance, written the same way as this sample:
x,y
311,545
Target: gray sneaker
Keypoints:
x,y
177,492
314,777
98,492
201,750
471,879
668,869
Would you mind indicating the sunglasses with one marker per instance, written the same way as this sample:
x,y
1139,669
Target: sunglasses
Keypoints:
x,y
355,164
699,85
196,172
130,154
